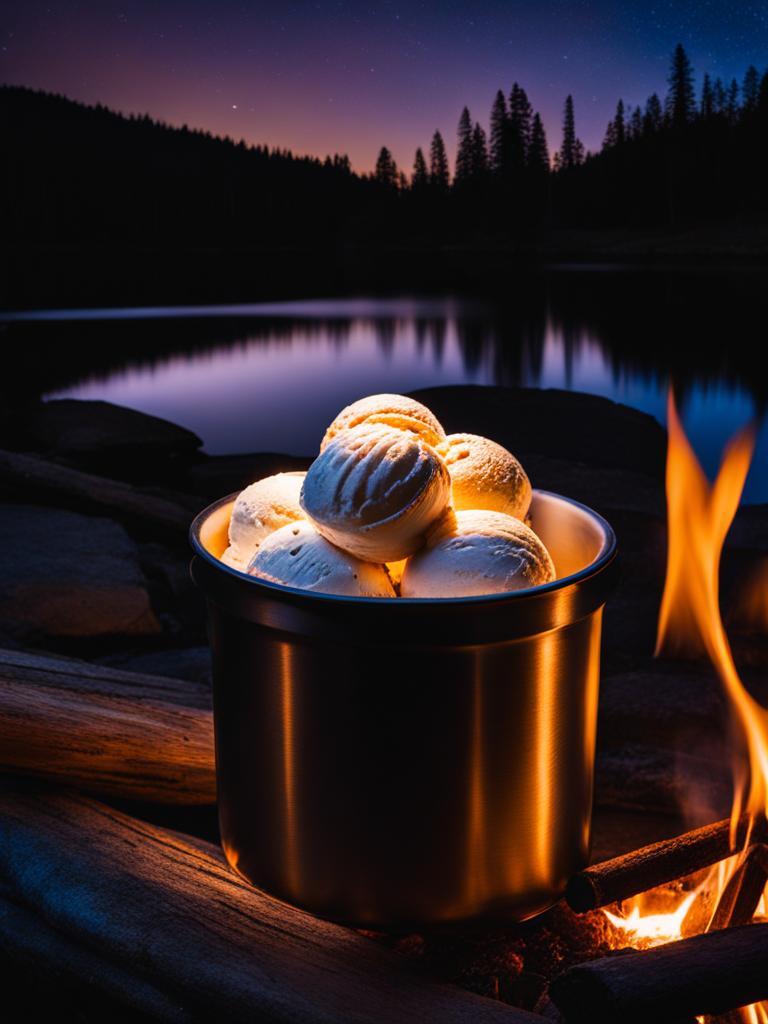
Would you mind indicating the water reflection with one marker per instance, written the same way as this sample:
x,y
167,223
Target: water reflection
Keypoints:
x,y
271,377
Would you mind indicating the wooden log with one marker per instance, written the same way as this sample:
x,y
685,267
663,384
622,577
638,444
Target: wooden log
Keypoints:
x,y
650,866
173,914
31,945
116,733
741,896
706,974
30,474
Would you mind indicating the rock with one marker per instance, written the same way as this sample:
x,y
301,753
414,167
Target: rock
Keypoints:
x,y
63,574
101,436
565,425
178,603
661,780
192,663
215,476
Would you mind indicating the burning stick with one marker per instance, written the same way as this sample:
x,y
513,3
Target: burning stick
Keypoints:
x,y
741,896
650,866
706,974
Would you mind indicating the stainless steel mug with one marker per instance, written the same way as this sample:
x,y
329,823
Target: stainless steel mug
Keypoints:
x,y
393,762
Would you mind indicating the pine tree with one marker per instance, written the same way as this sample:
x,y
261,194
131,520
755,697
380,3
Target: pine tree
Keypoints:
x,y
479,152
538,153
520,113
609,139
464,149
572,149
653,118
386,172
750,89
420,176
499,123
682,99
762,99
439,174
635,129
707,105
719,99
616,132
732,102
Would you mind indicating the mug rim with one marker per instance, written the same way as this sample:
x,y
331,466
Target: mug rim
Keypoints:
x,y
604,557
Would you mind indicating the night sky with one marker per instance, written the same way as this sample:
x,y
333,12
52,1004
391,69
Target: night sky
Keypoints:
x,y
349,77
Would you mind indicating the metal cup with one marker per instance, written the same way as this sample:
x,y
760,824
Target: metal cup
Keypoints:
x,y
395,762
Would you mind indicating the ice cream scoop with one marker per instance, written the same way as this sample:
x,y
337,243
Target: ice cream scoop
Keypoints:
x,y
375,491
484,475
296,555
392,410
477,552
258,511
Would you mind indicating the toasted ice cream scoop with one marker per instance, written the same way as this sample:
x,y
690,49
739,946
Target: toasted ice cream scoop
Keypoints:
x,y
484,475
477,552
375,491
258,511
393,411
297,556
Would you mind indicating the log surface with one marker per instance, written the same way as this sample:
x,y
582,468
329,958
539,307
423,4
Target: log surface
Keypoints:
x,y
706,974
172,914
115,733
653,865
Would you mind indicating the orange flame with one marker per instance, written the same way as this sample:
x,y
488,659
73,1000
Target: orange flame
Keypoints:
x,y
699,516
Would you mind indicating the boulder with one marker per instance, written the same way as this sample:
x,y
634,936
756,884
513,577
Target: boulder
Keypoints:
x,y
102,437
64,574
564,425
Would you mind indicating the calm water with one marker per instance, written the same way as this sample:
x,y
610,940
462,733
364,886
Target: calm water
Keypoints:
x,y
271,377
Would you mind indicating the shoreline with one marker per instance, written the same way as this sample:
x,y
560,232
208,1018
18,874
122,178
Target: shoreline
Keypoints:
x,y
34,278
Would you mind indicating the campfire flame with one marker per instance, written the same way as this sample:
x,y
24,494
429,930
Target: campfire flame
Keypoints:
x,y
700,515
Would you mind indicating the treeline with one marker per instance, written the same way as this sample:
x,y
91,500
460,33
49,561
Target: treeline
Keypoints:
x,y
678,158
73,173
78,175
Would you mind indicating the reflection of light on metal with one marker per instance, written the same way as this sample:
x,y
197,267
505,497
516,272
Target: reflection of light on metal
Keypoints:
x,y
590,719
292,864
699,517
546,720
477,865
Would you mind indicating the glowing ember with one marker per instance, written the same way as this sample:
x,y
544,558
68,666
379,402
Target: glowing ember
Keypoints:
x,y
700,515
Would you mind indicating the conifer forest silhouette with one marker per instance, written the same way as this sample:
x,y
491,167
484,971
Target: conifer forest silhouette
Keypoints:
x,y
80,177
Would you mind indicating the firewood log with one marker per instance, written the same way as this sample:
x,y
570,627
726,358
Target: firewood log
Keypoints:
x,y
635,872
116,733
707,974
31,945
174,916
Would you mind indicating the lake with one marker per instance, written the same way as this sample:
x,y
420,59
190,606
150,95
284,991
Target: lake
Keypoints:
x,y
269,377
